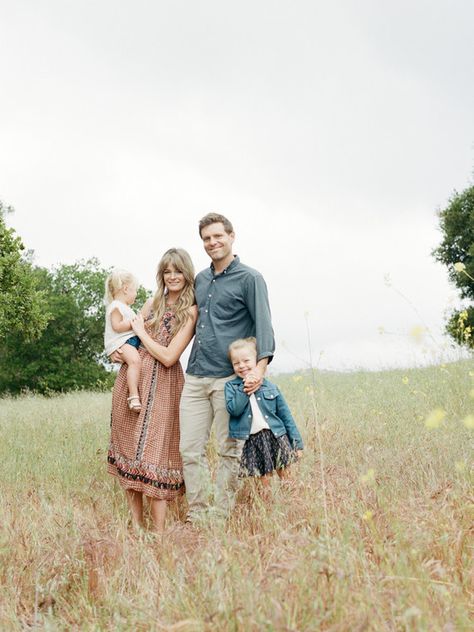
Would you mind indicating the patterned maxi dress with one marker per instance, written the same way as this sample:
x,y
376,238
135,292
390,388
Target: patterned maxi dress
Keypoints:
x,y
144,447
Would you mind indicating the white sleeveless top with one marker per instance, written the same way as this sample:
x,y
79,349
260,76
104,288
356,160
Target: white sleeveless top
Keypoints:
x,y
113,339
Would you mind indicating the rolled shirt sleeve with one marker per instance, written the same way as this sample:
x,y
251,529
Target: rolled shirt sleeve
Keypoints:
x,y
259,309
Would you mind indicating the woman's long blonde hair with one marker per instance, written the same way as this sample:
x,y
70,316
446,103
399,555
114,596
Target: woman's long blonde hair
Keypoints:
x,y
178,258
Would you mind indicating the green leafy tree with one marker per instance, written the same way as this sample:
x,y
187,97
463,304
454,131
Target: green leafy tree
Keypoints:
x,y
23,308
456,251
69,355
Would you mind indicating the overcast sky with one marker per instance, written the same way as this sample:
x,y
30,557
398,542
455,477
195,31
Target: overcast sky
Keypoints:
x,y
330,133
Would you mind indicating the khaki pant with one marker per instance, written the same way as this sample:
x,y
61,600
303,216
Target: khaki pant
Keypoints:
x,y
202,404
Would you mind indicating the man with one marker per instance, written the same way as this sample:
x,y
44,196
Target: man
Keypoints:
x,y
233,303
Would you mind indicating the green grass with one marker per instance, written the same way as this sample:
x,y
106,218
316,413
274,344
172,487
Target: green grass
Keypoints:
x,y
374,532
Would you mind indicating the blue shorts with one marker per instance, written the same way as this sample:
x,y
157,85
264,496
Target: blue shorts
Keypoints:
x,y
134,341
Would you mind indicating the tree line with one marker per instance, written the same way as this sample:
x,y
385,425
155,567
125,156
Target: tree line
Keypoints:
x,y
52,320
456,252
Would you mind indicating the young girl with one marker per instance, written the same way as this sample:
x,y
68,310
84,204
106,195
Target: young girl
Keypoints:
x,y
120,292
263,419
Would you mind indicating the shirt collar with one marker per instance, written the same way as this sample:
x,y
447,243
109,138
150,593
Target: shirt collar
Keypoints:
x,y
232,264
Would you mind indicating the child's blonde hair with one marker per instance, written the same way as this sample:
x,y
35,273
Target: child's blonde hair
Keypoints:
x,y
241,343
116,280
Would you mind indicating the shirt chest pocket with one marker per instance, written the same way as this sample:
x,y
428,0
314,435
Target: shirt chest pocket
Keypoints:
x,y
270,399
227,303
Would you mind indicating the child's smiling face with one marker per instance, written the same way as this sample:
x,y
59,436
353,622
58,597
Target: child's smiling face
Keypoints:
x,y
243,360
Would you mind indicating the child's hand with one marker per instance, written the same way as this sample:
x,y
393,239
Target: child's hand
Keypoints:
x,y
138,325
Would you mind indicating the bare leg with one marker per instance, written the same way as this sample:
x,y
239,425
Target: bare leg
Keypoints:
x,y
158,514
266,479
134,364
284,473
262,485
135,503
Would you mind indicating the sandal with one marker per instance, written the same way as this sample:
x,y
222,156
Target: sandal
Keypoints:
x,y
134,403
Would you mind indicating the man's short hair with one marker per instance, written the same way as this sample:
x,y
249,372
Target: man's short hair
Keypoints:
x,y
214,218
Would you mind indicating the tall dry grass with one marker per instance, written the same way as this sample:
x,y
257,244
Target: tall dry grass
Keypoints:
x,y
378,535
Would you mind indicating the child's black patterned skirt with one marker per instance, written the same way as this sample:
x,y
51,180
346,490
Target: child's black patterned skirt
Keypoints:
x,y
263,453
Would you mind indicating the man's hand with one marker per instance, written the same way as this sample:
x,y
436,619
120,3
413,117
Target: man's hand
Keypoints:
x,y
116,356
253,381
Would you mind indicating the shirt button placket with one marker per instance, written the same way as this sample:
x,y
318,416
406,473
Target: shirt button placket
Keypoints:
x,y
209,296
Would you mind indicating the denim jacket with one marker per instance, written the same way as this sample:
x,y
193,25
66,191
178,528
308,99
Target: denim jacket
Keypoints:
x,y
274,409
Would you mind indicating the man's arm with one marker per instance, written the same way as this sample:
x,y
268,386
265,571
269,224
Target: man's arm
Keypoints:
x,y
259,309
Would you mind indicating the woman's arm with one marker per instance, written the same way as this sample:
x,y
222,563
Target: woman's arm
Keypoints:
x,y
167,355
118,322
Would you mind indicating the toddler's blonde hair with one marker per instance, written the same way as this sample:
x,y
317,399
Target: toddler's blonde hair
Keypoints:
x,y
116,280
241,343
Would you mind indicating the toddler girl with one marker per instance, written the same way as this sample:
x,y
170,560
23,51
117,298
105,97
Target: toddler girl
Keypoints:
x,y
263,419
120,292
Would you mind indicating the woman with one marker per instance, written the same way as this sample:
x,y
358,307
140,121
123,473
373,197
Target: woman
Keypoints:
x,y
144,448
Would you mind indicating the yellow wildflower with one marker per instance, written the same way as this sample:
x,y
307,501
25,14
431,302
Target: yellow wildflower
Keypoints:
x,y
469,422
417,333
435,418
405,379
368,515
369,477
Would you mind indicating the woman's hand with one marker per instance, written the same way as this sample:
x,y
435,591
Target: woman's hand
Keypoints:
x,y
116,356
138,325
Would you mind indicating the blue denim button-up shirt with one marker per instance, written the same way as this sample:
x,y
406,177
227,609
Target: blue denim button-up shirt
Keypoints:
x,y
232,304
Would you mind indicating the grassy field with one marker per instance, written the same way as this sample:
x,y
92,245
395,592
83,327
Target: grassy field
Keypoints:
x,y
373,532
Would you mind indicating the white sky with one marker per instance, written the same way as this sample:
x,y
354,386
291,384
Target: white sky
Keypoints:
x,y
328,132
